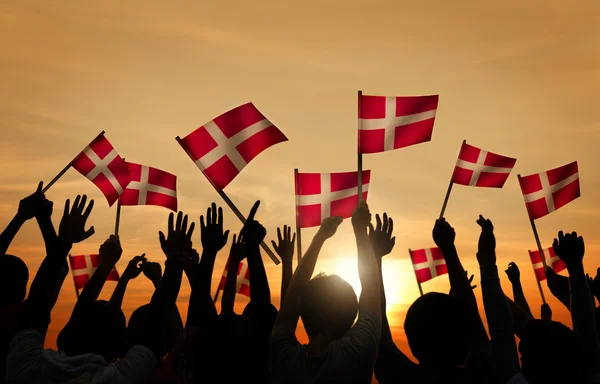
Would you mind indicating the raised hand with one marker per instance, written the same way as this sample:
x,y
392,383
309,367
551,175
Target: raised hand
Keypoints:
x,y
443,234
487,242
211,233
513,273
134,267
570,248
177,245
381,236
237,253
329,226
153,271
471,280
361,218
253,232
546,312
110,251
72,225
32,205
285,244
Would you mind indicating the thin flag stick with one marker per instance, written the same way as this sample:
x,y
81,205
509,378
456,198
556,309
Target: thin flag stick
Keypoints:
x,y
450,187
541,291
418,282
217,295
235,210
359,165
118,219
65,169
298,230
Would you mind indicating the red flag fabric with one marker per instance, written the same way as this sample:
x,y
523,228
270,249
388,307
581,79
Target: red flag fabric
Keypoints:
x,y
388,122
479,168
428,263
222,147
548,191
552,261
150,186
242,281
84,266
101,164
322,195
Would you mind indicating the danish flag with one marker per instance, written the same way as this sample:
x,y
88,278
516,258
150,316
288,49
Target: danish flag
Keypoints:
x,y
548,191
243,279
428,263
101,164
84,266
552,261
150,186
322,195
479,168
222,147
387,123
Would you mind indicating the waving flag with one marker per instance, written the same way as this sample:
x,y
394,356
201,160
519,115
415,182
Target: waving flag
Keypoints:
x,y
101,164
548,191
428,263
150,186
387,123
84,266
222,147
478,168
322,195
242,281
552,261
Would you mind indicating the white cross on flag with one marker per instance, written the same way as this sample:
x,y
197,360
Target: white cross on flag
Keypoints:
x,y
84,266
150,186
548,191
552,261
322,195
242,281
222,147
479,168
428,263
387,123
101,164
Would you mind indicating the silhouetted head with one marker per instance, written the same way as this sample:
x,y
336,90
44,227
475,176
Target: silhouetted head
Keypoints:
x,y
438,330
550,353
328,307
97,328
137,330
13,280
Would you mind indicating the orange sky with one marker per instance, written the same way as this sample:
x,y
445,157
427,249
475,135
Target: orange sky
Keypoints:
x,y
519,79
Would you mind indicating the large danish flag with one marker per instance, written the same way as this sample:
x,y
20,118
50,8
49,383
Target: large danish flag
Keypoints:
x,y
552,260
322,195
101,164
387,123
479,168
428,263
548,191
242,281
84,266
222,147
150,186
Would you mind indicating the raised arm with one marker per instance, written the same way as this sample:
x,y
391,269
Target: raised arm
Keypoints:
x,y
559,287
133,270
236,255
514,276
504,348
153,271
254,233
368,267
285,249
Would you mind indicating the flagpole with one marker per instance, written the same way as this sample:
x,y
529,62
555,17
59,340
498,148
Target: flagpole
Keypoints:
x,y
118,219
216,296
540,286
418,282
74,284
359,165
232,206
450,186
65,169
298,229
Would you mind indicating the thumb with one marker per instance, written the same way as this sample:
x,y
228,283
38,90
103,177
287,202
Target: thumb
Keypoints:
x,y
275,247
161,238
89,233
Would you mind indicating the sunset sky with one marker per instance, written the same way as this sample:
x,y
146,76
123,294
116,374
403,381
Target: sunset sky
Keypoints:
x,y
517,78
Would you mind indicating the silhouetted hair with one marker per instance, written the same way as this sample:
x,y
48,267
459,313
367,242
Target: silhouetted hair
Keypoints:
x,y
98,328
438,330
541,343
137,329
14,276
328,306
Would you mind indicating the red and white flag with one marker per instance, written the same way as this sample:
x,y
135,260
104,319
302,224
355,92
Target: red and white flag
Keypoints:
x,y
322,195
428,263
101,164
479,168
222,147
243,279
548,191
552,261
84,266
150,186
387,123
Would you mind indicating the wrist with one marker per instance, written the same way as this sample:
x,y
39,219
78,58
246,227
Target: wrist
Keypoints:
x,y
575,268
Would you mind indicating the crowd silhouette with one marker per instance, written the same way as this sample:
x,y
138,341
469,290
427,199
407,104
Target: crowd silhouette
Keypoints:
x,y
349,336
